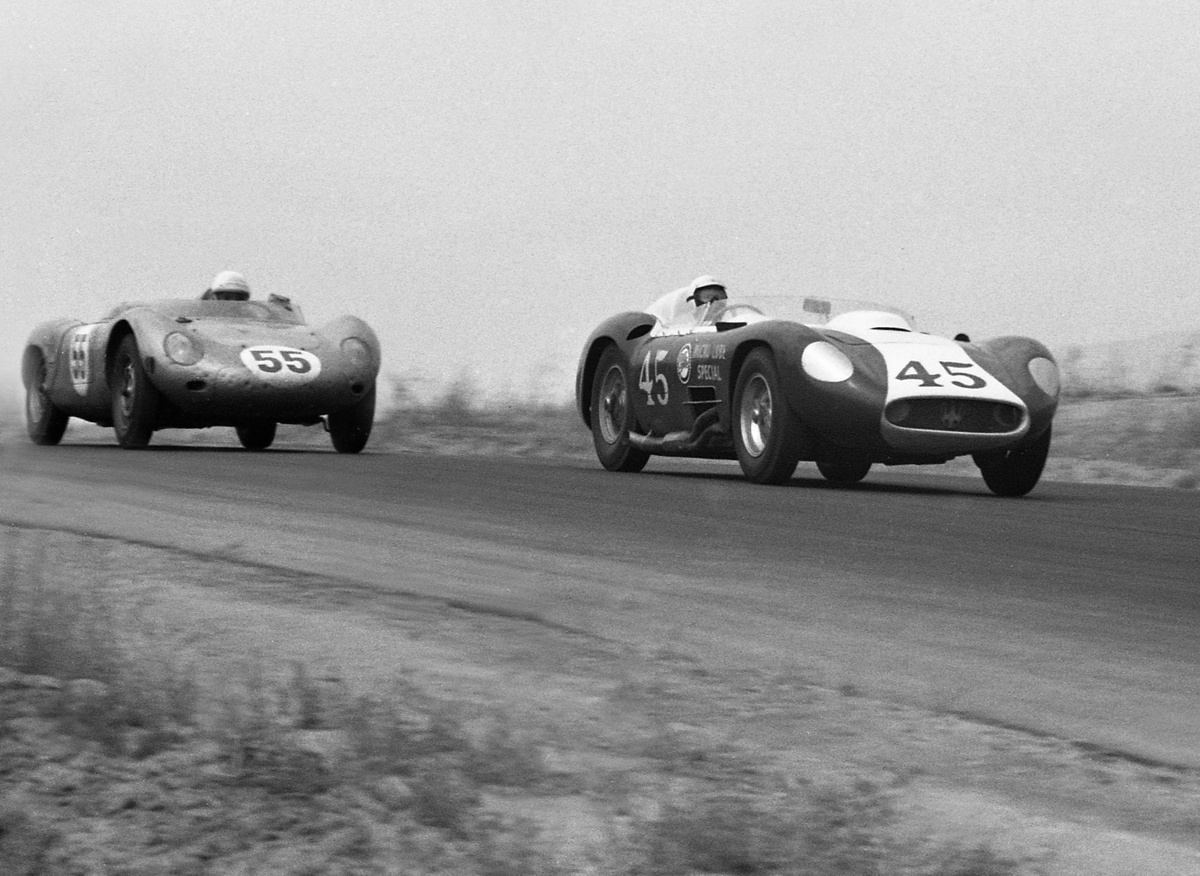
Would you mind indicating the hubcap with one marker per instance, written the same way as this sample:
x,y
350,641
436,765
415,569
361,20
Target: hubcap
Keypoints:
x,y
127,389
755,416
612,405
35,399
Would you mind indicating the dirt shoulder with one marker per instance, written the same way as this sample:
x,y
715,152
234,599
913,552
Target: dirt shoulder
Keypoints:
x,y
618,726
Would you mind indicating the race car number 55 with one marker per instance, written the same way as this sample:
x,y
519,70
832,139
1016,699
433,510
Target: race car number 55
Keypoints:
x,y
281,364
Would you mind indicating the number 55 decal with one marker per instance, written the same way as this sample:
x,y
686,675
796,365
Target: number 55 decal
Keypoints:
x,y
651,377
281,364
959,373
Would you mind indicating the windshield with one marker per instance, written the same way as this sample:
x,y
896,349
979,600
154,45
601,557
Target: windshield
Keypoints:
x,y
676,313
813,310
245,311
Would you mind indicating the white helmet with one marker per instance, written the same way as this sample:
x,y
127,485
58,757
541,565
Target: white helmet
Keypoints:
x,y
717,288
228,286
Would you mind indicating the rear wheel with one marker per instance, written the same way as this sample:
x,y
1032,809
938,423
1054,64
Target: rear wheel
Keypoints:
x,y
612,415
349,429
134,398
1015,472
44,422
845,469
767,435
256,436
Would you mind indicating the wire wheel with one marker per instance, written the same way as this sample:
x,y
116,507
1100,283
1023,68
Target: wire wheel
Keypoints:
x,y
614,405
755,415
43,421
768,437
134,398
612,415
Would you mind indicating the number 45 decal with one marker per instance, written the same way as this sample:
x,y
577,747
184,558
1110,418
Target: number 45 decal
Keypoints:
x,y
650,378
958,373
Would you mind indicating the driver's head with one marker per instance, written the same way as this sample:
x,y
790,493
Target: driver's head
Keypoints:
x,y
706,290
228,286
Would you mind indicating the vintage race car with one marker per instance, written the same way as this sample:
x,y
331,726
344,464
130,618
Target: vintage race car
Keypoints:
x,y
198,363
773,380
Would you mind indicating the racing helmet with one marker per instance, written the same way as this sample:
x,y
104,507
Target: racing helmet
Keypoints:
x,y
712,289
228,286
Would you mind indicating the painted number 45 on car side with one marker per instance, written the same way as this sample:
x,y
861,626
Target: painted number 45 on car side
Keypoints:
x,y
651,378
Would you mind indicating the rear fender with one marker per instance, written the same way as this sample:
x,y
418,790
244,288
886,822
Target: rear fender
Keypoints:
x,y
623,331
44,344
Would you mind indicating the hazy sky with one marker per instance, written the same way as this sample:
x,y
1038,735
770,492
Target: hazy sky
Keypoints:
x,y
485,181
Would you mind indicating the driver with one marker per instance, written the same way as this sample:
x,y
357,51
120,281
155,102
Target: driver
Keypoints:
x,y
706,290
227,286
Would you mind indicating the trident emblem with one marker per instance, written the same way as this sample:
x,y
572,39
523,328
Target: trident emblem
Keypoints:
x,y
951,415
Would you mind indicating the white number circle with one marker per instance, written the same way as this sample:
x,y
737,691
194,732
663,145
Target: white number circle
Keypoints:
x,y
281,364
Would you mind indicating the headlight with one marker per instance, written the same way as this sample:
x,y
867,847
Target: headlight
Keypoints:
x,y
182,349
357,352
823,361
1045,374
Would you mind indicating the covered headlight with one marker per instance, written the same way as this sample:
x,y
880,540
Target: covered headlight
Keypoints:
x,y
1045,374
357,351
823,361
182,349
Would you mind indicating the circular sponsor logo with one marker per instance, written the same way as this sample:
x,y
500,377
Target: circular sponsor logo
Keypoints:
x,y
281,364
683,363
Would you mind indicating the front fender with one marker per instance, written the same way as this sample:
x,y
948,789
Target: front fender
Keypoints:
x,y
1008,358
343,327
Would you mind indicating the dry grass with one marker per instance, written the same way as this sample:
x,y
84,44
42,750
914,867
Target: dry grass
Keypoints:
x,y
120,757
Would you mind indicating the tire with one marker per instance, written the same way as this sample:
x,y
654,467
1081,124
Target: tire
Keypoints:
x,y
134,399
43,421
767,435
844,470
1014,473
349,429
256,436
612,415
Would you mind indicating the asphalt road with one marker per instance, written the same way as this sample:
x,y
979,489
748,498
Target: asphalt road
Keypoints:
x,y
1073,611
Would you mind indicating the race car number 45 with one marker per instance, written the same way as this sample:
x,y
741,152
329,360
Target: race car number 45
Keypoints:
x,y
281,364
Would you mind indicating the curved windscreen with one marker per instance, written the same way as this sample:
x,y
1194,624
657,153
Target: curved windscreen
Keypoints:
x,y
244,311
814,310
676,312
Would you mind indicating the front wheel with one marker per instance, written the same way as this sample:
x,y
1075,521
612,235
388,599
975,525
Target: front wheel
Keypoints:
x,y
844,470
43,421
767,435
1015,472
256,436
349,429
134,397
612,415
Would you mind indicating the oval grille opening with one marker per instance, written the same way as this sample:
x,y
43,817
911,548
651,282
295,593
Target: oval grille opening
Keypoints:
x,y
955,415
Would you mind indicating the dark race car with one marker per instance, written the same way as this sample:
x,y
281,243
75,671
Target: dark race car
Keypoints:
x,y
198,363
772,380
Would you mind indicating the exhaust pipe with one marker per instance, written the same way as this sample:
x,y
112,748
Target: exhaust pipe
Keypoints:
x,y
706,427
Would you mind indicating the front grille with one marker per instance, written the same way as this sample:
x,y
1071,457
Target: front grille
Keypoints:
x,y
955,415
